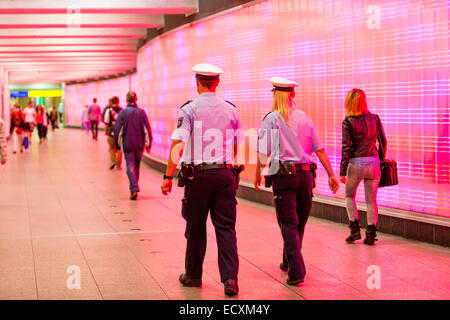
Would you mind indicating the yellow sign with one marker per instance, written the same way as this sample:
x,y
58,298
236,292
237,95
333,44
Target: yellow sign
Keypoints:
x,y
44,93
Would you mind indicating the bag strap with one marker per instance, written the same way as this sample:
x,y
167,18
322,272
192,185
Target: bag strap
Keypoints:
x,y
380,143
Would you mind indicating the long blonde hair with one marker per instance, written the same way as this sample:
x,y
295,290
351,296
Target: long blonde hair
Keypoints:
x,y
282,102
355,103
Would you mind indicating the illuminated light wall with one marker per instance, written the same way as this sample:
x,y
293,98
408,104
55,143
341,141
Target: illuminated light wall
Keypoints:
x,y
79,95
400,60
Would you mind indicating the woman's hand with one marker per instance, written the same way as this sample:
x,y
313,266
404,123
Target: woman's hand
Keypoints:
x,y
257,182
333,184
343,179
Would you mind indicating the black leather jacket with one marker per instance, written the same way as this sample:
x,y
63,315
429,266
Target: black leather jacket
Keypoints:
x,y
359,137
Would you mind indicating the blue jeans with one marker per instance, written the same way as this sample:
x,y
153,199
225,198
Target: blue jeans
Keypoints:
x,y
133,160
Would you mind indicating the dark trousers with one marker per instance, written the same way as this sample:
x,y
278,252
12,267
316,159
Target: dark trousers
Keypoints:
x,y
293,201
133,160
41,130
211,191
94,129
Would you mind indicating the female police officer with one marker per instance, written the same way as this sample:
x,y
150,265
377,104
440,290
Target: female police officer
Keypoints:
x,y
289,137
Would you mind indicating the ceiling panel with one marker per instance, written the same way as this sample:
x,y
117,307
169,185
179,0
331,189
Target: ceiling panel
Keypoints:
x,y
67,40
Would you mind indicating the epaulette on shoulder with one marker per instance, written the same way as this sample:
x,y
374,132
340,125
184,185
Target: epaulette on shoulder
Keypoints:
x,y
230,103
267,115
186,104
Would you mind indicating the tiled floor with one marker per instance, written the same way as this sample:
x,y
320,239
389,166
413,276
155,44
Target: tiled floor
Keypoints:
x,y
61,206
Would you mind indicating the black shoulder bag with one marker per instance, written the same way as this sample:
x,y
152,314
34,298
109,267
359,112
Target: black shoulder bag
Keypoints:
x,y
389,173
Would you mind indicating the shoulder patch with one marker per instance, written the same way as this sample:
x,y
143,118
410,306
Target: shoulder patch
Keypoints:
x,y
230,103
186,104
267,115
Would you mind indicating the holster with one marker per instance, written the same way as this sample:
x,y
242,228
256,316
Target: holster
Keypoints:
x,y
287,168
186,173
237,169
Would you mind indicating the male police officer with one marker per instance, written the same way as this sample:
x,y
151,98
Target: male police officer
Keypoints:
x,y
208,130
291,139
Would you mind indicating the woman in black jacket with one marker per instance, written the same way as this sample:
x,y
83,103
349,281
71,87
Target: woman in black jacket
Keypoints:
x,y
360,161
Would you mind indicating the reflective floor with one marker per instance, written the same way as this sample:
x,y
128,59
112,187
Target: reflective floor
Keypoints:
x,y
64,214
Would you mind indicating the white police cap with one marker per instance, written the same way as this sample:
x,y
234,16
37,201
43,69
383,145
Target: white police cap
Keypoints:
x,y
207,71
282,84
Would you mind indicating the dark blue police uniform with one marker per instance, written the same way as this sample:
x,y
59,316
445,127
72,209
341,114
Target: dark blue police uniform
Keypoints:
x,y
292,144
210,127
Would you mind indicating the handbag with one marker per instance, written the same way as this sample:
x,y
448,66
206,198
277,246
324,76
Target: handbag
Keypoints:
x,y
25,142
389,172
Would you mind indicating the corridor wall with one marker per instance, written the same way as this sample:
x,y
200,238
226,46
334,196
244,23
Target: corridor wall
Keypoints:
x,y
396,51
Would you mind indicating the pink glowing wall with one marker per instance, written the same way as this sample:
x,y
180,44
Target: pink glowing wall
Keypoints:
x,y
401,60
77,96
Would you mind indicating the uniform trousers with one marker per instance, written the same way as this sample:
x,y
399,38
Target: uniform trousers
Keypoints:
x,y
211,191
293,202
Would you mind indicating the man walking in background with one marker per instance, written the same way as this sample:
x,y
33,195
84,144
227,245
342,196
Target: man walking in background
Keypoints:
x,y
110,119
132,133
94,112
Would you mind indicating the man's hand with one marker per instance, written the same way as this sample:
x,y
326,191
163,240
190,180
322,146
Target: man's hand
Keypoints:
x,y
333,184
166,187
257,182
343,179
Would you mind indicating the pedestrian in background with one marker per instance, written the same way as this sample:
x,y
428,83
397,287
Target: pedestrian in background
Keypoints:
x,y
107,108
110,120
54,119
2,142
85,124
360,161
17,128
29,115
94,112
132,133
41,116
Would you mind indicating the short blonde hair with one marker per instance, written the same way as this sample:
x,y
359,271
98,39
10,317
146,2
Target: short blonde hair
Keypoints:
x,y
282,102
355,103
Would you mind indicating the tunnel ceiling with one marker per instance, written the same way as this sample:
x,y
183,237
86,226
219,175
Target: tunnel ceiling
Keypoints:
x,y
67,40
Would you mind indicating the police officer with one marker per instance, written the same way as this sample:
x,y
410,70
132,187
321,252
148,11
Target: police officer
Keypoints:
x,y
288,136
208,131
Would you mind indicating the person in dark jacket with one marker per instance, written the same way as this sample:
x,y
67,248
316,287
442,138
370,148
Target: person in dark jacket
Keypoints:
x,y
360,161
131,133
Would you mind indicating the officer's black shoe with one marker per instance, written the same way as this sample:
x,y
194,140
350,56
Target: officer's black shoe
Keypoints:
x,y
294,282
112,166
186,281
231,287
133,195
283,267
371,235
355,233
